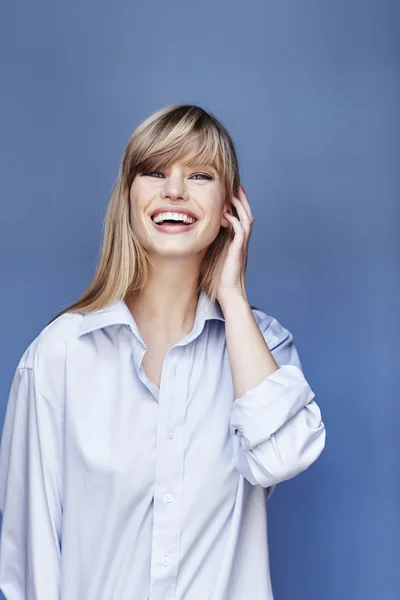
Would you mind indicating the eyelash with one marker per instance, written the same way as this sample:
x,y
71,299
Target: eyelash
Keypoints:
x,y
207,177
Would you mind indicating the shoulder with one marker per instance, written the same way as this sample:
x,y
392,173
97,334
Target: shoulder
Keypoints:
x,y
279,339
46,354
52,339
274,331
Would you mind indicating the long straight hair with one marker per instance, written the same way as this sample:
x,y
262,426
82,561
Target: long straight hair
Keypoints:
x,y
164,137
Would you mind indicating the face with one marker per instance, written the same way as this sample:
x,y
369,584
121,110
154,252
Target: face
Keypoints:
x,y
199,190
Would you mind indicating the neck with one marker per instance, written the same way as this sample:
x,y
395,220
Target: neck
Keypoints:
x,y
168,303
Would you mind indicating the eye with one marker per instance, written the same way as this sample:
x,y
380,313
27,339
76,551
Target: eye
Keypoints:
x,y
203,176
152,174
197,176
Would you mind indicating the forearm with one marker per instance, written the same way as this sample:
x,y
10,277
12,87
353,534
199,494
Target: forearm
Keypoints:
x,y
249,356
274,413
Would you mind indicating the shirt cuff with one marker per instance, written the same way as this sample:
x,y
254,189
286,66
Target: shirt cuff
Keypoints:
x,y
261,411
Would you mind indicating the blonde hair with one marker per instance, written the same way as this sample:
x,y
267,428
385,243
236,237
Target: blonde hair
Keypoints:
x,y
164,137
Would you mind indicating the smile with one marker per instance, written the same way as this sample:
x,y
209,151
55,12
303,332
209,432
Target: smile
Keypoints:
x,y
169,227
173,222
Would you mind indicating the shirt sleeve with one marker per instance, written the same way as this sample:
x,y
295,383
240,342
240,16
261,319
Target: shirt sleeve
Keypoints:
x,y
30,492
278,422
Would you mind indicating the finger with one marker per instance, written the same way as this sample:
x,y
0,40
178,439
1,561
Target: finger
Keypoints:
x,y
242,233
243,214
246,203
243,211
237,225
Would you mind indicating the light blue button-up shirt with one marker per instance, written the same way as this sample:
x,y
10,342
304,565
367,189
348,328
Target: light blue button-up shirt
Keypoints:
x,y
114,489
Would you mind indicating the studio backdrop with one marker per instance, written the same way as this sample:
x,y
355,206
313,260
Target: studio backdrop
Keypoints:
x,y
310,93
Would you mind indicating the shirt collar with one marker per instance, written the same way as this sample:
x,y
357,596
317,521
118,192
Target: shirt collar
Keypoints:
x,y
118,313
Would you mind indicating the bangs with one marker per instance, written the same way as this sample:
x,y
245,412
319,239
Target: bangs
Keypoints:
x,y
197,149
196,141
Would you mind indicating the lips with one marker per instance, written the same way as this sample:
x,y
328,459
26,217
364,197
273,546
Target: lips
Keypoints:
x,y
176,228
176,209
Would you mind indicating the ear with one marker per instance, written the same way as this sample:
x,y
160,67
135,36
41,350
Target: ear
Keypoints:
x,y
224,222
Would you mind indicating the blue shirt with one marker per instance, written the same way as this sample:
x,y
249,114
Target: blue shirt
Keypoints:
x,y
113,489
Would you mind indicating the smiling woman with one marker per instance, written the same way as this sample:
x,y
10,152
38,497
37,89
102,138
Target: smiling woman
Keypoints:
x,y
176,135
149,422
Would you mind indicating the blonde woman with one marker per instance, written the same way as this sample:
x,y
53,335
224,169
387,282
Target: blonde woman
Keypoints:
x,y
148,423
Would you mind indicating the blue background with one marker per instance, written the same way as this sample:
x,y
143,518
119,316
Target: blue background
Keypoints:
x,y
310,92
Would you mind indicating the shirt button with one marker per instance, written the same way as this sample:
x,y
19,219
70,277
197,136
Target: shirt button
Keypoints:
x,y
165,561
168,498
171,434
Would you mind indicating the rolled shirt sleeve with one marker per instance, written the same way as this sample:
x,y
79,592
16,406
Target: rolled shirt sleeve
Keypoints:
x,y
278,422
30,492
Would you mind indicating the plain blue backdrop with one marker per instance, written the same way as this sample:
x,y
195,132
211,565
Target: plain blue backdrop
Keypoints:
x,y
310,92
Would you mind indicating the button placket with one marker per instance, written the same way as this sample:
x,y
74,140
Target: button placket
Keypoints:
x,y
168,480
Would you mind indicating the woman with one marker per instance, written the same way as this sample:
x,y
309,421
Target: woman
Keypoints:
x,y
148,422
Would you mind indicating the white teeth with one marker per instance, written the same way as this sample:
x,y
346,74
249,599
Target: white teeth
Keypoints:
x,y
172,216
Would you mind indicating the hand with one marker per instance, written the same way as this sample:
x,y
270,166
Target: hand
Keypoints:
x,y
232,278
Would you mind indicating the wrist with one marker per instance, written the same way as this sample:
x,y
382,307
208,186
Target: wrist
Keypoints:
x,y
234,302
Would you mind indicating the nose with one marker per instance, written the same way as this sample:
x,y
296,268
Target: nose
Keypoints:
x,y
174,188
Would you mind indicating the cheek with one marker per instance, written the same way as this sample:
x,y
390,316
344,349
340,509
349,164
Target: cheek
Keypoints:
x,y
212,224
215,213
215,202
136,201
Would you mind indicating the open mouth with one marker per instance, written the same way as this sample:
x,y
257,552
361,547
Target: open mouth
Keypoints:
x,y
159,220
175,224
